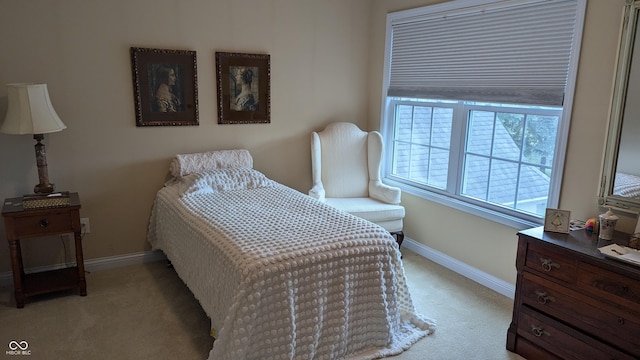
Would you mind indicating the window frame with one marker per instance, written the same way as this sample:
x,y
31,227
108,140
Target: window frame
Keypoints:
x,y
515,219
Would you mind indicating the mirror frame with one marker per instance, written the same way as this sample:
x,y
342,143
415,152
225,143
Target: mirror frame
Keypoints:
x,y
628,35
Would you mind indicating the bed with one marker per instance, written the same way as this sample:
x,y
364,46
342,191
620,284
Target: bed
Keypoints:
x,y
281,275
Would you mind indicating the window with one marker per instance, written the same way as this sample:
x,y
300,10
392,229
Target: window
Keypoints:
x,y
477,103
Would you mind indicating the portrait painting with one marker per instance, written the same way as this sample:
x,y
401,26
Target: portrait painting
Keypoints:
x,y
243,88
165,87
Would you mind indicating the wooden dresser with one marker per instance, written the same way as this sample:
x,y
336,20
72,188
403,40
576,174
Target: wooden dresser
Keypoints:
x,y
571,302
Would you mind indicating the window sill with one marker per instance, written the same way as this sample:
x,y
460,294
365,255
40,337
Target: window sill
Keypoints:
x,y
511,221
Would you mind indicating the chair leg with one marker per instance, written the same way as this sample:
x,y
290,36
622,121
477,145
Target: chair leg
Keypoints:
x,y
399,237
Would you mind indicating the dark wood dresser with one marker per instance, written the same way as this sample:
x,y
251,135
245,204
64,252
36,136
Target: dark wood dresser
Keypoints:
x,y
571,302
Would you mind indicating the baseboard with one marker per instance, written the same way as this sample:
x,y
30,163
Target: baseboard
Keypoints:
x,y
500,286
98,264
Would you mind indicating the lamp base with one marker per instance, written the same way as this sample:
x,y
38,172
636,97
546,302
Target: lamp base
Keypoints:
x,y
44,187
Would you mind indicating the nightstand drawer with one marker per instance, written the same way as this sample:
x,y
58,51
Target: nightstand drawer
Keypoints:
x,y
563,340
558,265
42,224
611,286
616,326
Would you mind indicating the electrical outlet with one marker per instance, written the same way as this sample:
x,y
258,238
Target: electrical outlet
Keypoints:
x,y
86,226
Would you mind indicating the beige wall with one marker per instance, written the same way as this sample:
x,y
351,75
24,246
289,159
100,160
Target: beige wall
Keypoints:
x,y
326,62
319,69
486,245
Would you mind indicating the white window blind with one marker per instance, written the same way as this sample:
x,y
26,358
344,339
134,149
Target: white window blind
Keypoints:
x,y
509,51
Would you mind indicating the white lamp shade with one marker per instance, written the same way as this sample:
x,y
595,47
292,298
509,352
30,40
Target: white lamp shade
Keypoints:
x,y
30,111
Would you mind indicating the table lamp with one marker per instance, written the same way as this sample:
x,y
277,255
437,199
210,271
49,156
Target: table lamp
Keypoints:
x,y
30,112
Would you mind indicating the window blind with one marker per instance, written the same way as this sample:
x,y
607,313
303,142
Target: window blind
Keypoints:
x,y
511,51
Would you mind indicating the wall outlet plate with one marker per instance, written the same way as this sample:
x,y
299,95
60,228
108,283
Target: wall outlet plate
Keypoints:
x,y
86,225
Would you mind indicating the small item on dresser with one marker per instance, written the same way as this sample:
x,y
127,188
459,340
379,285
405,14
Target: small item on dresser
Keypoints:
x,y
622,253
556,220
576,224
592,225
634,241
607,225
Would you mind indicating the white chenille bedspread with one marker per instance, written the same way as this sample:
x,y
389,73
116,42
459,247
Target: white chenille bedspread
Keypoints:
x,y
281,275
626,185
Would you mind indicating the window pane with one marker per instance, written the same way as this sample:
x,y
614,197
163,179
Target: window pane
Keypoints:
x,y
540,139
534,190
480,139
421,144
507,142
505,177
476,177
401,159
421,132
438,168
419,163
507,154
442,122
502,183
404,117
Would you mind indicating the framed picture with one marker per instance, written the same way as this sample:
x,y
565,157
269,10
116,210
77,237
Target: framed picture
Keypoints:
x,y
165,87
556,220
243,88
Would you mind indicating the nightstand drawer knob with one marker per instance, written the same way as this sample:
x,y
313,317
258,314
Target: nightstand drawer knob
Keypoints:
x,y
621,321
44,223
548,265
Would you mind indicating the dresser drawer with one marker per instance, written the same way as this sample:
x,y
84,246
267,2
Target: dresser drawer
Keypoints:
x,y
558,265
562,340
42,224
611,286
608,323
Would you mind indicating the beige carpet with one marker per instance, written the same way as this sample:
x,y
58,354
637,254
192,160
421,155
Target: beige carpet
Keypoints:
x,y
146,312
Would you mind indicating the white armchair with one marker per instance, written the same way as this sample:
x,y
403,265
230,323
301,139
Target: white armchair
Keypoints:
x,y
345,164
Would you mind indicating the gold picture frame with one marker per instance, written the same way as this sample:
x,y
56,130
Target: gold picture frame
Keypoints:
x,y
243,86
165,87
556,220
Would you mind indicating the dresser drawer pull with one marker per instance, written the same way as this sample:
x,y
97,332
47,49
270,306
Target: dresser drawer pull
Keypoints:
x,y
544,298
539,331
548,265
621,321
44,223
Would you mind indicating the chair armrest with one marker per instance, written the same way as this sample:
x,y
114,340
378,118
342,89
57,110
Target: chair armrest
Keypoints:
x,y
384,193
317,192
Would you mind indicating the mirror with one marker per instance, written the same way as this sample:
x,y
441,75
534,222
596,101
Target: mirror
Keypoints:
x,y
620,186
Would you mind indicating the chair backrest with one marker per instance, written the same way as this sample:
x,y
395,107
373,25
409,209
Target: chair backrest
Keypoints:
x,y
344,169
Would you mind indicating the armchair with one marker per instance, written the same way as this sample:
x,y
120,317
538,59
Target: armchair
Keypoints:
x,y
345,163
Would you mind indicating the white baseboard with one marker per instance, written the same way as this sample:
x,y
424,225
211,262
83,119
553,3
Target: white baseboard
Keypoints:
x,y
500,286
105,263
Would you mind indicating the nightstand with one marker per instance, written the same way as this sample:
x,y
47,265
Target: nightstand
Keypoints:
x,y
23,224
